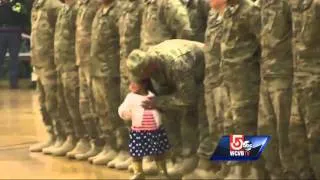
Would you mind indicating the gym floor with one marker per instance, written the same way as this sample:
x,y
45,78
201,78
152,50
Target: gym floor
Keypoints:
x,y
20,126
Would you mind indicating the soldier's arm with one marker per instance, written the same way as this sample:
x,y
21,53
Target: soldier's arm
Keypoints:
x,y
53,7
185,93
175,15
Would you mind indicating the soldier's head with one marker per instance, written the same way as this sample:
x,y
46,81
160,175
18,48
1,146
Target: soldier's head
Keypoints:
x,y
139,65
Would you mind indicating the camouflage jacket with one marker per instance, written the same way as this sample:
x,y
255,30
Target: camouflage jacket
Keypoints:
x,y
86,12
212,50
198,13
276,36
306,28
64,39
105,46
44,14
181,64
163,20
240,46
129,29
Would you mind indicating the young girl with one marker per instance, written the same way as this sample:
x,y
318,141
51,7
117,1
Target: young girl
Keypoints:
x,y
147,136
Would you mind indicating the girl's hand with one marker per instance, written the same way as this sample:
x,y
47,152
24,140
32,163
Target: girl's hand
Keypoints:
x,y
149,103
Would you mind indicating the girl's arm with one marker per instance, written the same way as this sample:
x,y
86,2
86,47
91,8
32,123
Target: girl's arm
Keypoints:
x,y
124,110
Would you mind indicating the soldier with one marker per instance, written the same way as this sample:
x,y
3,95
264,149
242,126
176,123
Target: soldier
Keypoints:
x,y
176,71
68,99
276,84
44,14
211,130
163,20
86,12
304,124
129,31
198,13
240,52
104,70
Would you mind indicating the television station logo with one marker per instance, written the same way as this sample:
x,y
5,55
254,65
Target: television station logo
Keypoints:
x,y
240,148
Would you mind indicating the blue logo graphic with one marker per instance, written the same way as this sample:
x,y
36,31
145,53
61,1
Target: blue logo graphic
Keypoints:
x,y
240,148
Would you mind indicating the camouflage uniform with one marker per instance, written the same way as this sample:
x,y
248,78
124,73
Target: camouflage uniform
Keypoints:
x,y
129,29
65,60
44,14
240,52
104,70
198,13
178,85
212,129
86,12
276,81
163,20
304,124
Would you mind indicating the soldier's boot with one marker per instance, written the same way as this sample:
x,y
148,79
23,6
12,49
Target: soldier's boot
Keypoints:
x,y
120,158
107,155
184,166
95,149
40,146
137,171
205,170
124,165
162,168
149,166
67,146
82,146
238,171
58,143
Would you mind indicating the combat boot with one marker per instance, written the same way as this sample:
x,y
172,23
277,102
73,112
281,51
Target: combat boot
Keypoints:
x,y
137,171
184,166
107,155
162,168
58,143
120,158
40,146
67,146
149,166
124,165
82,146
95,149
205,170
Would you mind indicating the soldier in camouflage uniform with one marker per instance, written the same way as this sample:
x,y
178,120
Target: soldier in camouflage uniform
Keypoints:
x,y
198,13
276,85
211,130
129,31
163,20
177,77
86,12
68,99
240,52
304,124
105,73
44,14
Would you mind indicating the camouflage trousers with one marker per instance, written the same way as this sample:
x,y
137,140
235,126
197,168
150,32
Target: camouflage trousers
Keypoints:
x,y
106,92
304,131
211,128
68,90
274,115
86,102
47,88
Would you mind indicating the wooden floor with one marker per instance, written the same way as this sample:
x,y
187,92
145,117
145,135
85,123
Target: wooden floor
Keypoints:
x,y
20,126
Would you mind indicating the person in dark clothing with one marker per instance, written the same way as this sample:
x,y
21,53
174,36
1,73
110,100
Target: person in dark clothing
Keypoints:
x,y
13,19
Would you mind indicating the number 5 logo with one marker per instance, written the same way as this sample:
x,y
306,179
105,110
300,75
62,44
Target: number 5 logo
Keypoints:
x,y
236,142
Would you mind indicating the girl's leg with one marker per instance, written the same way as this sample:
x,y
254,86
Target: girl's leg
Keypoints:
x,y
162,165
137,169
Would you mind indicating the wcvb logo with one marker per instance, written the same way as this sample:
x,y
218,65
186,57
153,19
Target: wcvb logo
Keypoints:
x,y
239,146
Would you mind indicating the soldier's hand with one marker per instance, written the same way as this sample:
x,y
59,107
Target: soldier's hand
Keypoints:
x,y
148,103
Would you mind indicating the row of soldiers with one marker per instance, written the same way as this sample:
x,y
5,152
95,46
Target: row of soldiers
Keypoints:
x,y
257,54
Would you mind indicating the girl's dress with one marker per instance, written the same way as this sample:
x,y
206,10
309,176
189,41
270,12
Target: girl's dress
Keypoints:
x,y
147,136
